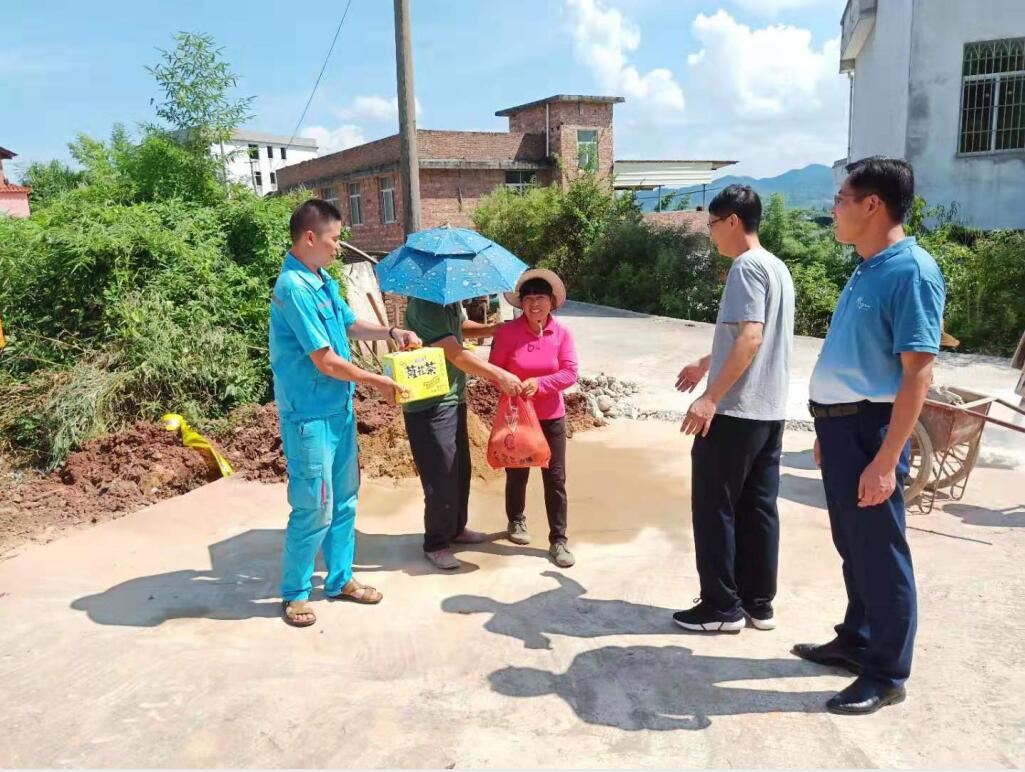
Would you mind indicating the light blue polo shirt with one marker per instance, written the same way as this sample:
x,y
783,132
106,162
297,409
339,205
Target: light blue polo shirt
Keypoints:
x,y
307,313
892,303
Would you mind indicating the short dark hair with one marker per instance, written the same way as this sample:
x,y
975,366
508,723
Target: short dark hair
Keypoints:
x,y
741,200
314,215
892,179
536,286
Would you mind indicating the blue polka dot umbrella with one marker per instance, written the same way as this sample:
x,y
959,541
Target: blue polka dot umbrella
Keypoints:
x,y
446,265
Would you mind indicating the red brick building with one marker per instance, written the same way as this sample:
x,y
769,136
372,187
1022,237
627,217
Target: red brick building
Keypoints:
x,y
13,198
549,141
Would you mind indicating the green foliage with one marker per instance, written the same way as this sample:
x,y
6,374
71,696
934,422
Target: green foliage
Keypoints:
x,y
196,83
597,242
552,227
607,256
668,271
49,180
135,288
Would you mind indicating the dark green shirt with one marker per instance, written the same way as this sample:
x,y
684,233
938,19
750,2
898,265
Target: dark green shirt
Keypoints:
x,y
433,322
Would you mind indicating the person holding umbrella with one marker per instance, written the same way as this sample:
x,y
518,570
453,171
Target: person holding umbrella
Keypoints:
x,y
438,269
540,350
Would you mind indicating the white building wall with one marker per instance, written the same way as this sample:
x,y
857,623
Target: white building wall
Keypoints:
x,y
879,84
989,189
242,169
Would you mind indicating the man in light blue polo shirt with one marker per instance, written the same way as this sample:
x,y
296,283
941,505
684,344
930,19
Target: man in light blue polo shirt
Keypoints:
x,y
314,377
867,390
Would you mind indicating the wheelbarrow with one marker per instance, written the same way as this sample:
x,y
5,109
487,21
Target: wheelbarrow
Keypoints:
x,y
945,446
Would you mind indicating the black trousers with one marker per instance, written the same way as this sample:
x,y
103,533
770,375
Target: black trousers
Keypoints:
x,y
440,443
882,607
736,523
554,479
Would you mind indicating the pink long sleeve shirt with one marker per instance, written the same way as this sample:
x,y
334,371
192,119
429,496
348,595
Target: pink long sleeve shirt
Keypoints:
x,y
550,357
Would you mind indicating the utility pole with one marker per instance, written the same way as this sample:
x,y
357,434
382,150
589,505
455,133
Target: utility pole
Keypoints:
x,y
409,165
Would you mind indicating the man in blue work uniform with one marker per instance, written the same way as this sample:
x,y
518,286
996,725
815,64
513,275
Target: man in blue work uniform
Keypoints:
x,y
867,390
314,380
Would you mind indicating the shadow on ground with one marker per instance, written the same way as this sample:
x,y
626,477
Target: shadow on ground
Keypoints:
x,y
1009,517
563,611
244,578
799,459
662,687
242,583
802,490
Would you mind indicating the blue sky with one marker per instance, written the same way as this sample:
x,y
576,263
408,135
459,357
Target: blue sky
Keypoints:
x,y
751,80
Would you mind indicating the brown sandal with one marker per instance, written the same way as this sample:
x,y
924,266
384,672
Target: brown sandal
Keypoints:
x,y
355,592
291,609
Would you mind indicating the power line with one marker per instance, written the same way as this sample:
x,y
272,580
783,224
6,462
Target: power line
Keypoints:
x,y
321,75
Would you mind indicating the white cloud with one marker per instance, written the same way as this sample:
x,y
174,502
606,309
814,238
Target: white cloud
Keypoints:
x,y
333,140
373,109
603,40
768,97
378,113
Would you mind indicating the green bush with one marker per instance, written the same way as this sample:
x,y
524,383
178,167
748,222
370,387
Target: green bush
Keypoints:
x,y
118,310
668,271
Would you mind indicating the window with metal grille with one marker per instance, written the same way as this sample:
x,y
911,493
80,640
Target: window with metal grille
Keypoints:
x,y
993,96
355,204
587,150
387,197
520,180
331,195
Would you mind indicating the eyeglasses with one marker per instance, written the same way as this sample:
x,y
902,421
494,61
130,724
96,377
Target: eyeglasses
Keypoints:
x,y
717,219
839,197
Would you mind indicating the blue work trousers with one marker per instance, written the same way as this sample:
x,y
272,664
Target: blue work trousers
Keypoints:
x,y
323,485
879,627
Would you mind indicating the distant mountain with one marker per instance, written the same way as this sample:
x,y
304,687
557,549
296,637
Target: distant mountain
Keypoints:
x,y
807,188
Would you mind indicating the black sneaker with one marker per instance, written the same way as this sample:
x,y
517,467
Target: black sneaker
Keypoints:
x,y
761,617
703,618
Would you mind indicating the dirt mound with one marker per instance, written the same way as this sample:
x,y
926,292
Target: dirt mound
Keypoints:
x,y
483,397
124,472
109,476
251,441
386,453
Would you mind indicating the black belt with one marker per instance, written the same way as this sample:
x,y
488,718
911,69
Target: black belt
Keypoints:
x,y
836,411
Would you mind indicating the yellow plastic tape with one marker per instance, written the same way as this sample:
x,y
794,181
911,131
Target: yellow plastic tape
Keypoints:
x,y
193,439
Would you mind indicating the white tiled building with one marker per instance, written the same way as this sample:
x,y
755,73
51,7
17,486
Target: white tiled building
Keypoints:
x,y
942,84
253,158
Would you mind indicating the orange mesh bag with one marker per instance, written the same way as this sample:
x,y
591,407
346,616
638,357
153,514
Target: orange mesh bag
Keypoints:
x,y
516,439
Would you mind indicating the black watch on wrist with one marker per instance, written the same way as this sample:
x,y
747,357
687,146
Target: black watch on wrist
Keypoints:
x,y
391,333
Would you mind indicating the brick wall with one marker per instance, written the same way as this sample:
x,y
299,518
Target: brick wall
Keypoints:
x,y
481,145
566,118
317,171
530,120
373,234
451,195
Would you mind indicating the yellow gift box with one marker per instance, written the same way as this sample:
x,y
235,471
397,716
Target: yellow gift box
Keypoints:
x,y
420,372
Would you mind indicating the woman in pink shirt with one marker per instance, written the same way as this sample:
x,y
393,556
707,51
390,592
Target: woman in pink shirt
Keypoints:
x,y
539,350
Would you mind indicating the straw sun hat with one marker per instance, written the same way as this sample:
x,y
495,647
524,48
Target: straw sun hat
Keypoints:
x,y
558,288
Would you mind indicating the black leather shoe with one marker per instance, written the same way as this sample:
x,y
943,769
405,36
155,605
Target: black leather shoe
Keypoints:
x,y
864,697
829,654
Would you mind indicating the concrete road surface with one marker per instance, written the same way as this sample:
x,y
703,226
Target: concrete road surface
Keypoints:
x,y
154,640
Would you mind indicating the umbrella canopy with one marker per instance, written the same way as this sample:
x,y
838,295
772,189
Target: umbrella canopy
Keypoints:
x,y
446,265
